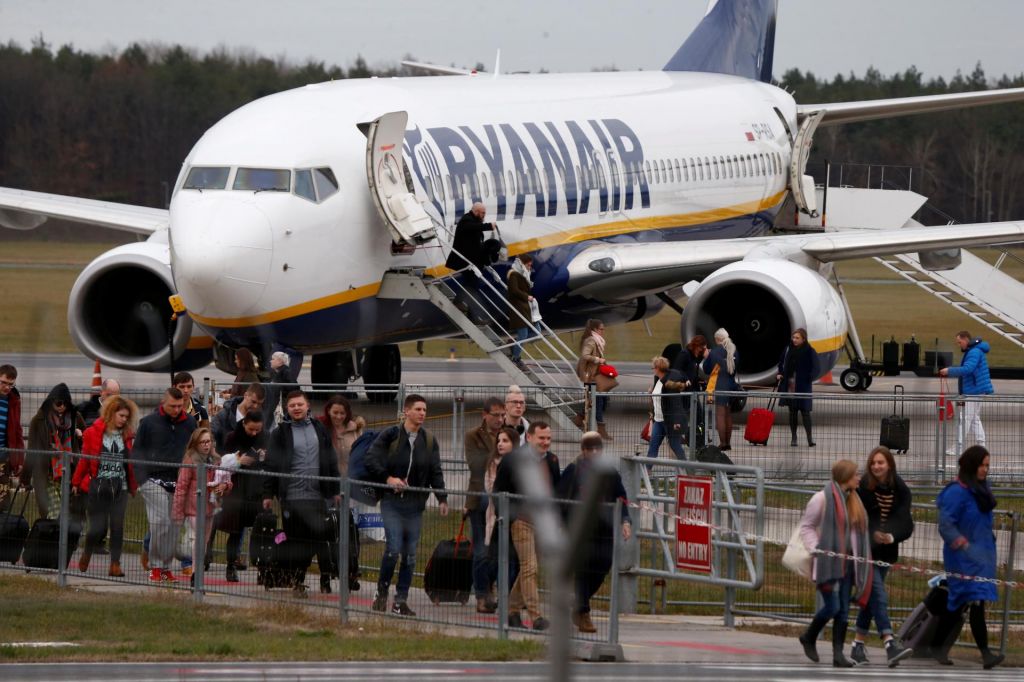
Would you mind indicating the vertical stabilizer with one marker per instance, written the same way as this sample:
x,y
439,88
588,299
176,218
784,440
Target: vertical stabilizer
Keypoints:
x,y
735,37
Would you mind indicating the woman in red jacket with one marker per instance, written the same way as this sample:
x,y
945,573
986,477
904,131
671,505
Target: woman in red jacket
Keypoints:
x,y
199,451
107,478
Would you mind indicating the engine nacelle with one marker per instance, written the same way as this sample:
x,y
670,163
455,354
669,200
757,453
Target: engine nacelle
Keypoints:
x,y
760,303
119,314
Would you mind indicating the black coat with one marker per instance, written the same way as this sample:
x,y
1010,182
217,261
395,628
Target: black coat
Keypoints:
x,y
506,480
469,241
243,502
689,367
802,373
282,454
160,445
424,471
89,409
224,422
570,487
671,401
899,523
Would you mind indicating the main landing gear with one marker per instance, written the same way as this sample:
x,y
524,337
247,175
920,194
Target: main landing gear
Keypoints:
x,y
855,379
377,365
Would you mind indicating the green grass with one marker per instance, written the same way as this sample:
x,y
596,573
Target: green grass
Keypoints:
x,y
133,628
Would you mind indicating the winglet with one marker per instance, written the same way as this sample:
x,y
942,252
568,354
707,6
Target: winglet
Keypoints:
x,y
735,37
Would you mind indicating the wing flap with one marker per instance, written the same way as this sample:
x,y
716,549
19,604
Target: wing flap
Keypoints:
x,y
137,219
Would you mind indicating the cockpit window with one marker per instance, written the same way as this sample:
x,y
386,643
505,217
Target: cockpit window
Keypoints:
x,y
263,179
326,183
304,185
207,177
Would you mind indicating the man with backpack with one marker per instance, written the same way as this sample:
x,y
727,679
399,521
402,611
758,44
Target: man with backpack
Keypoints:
x,y
404,456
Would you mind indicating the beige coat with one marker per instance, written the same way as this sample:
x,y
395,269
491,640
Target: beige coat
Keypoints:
x,y
586,367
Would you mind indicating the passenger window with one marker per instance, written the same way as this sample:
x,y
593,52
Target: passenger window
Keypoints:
x,y
326,183
304,185
263,180
679,174
207,177
511,183
650,177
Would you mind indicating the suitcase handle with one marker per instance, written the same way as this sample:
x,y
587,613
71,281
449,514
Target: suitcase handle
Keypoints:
x,y
460,537
775,394
14,495
898,392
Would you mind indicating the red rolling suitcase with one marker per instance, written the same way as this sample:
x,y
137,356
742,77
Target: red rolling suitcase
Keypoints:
x,y
759,423
449,573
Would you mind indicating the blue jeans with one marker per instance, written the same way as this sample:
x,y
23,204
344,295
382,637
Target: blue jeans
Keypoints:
x,y
878,606
837,601
481,564
522,334
402,521
661,430
600,404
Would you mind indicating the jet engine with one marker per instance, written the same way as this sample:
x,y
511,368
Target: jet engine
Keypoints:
x,y
760,303
119,313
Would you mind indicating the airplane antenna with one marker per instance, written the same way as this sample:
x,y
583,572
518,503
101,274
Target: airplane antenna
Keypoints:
x,y
497,64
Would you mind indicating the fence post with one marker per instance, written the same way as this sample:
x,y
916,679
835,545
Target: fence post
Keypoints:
x,y
591,407
940,447
400,400
459,419
207,393
694,420
501,528
628,553
343,544
730,558
1008,575
199,544
613,602
63,551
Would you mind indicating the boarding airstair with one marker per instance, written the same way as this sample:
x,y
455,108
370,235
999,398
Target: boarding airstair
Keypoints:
x,y
548,364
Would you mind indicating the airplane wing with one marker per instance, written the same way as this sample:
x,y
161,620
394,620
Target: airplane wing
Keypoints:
x,y
838,113
615,272
437,69
22,209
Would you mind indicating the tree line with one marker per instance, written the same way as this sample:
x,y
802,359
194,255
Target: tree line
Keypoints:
x,y
117,126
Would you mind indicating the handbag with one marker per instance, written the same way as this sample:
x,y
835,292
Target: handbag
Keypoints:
x,y
796,557
608,370
944,404
534,311
645,432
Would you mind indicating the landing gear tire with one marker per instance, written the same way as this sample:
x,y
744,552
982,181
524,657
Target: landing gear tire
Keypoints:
x,y
382,365
851,380
865,382
334,369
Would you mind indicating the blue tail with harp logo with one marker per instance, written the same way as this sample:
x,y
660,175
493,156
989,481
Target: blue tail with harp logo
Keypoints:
x,y
735,37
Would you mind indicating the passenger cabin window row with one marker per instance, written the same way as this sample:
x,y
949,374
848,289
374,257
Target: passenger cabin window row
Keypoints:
x,y
688,170
312,184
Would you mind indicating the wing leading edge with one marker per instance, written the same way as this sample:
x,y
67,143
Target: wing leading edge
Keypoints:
x,y
621,271
837,113
17,204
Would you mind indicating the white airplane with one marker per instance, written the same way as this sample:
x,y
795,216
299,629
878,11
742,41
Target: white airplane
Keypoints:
x,y
287,214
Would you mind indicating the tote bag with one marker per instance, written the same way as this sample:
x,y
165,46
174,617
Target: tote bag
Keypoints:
x,y
796,557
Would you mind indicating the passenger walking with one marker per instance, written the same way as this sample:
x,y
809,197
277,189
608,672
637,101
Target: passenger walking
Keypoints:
x,y
247,372
300,447
479,446
343,427
56,427
720,365
108,479
241,505
974,380
468,246
688,363
90,409
505,442
597,550
525,593
234,410
281,383
887,500
969,547
835,521
668,418
185,508
159,447
194,407
519,297
12,442
592,356
515,408
415,462
798,368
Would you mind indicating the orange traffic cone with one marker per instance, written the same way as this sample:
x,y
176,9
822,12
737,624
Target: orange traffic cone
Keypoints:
x,y
826,378
97,378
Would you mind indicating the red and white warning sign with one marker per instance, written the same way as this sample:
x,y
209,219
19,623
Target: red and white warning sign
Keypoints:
x,y
693,529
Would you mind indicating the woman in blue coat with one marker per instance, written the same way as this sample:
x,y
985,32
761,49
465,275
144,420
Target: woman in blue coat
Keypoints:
x,y
798,368
969,545
720,365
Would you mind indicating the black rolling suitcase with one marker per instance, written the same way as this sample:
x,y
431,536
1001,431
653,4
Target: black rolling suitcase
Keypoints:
x,y
931,630
895,432
334,538
449,573
275,561
13,530
42,547
712,454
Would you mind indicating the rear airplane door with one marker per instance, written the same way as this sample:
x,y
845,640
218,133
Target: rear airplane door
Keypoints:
x,y
385,172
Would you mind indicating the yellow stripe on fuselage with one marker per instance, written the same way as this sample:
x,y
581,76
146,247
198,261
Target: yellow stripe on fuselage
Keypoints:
x,y
572,236
828,345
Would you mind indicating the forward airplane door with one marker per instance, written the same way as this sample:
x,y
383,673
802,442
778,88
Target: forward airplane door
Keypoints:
x,y
390,188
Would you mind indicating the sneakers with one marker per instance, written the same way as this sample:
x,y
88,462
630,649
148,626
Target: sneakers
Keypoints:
x,y
325,584
515,620
859,654
541,623
155,575
485,606
380,602
400,608
231,574
894,653
990,660
167,576
186,572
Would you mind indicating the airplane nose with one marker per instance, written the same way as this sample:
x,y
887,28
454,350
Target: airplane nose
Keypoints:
x,y
221,255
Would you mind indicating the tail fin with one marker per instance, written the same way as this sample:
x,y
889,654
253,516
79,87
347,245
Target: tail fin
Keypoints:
x,y
735,37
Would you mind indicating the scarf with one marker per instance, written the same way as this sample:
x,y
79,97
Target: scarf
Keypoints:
x,y
62,430
836,535
517,266
982,493
599,341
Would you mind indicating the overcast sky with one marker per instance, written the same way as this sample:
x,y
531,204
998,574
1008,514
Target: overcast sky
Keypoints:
x,y
823,36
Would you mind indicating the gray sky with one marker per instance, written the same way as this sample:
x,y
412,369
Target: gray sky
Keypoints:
x,y
824,36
